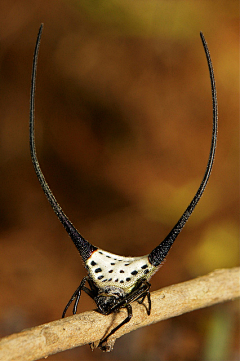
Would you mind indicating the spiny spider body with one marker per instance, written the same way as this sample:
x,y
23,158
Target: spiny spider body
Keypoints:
x,y
116,281
109,270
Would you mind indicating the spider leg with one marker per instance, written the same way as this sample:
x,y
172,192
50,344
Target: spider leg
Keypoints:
x,y
140,301
75,306
127,319
140,292
149,303
77,295
144,295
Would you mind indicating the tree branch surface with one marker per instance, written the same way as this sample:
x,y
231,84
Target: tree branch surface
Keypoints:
x,y
89,327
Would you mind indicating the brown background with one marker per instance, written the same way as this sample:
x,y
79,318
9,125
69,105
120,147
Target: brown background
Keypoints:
x,y
123,122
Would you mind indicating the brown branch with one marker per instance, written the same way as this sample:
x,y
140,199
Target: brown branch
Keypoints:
x,y
88,327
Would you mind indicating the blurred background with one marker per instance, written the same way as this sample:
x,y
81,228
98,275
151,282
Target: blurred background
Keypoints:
x,y
123,132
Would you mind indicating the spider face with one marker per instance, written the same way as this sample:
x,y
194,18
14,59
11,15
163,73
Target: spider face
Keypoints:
x,y
105,303
108,298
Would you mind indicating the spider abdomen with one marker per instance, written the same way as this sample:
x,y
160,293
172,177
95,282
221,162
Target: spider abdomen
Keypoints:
x,y
107,269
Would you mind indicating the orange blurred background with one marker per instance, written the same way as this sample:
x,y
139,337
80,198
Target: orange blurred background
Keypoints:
x,y
123,132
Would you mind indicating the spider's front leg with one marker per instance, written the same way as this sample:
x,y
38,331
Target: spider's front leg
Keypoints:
x,y
126,320
77,295
138,294
148,309
145,294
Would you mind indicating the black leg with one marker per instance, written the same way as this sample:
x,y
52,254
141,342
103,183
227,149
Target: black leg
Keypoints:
x,y
140,301
75,306
149,303
77,295
127,319
139,295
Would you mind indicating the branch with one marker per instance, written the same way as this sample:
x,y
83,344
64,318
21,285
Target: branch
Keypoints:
x,y
89,327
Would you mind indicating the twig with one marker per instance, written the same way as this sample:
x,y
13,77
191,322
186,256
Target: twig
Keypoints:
x,y
88,327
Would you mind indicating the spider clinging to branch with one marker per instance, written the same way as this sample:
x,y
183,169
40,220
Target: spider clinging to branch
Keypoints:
x,y
114,282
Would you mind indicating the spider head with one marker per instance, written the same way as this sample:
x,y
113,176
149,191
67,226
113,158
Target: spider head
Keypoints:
x,y
106,303
108,299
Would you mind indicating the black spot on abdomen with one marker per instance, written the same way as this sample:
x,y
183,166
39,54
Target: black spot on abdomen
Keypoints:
x,y
98,270
134,273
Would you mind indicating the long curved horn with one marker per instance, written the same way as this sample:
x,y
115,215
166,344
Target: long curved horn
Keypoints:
x,y
161,251
84,247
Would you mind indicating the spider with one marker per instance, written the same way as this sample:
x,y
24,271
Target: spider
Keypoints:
x,y
116,281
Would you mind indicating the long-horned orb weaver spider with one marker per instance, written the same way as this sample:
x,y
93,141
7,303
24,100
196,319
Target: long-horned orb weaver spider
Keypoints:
x,y
116,281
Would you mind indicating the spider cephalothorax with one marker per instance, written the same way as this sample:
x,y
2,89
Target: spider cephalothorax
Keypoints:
x,y
116,281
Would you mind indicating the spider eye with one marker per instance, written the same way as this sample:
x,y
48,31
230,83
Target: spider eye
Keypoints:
x,y
105,303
